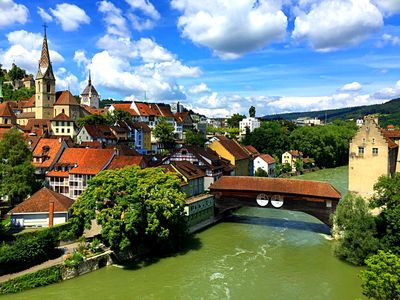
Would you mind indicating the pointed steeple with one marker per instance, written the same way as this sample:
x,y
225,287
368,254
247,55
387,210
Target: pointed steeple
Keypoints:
x,y
45,63
90,79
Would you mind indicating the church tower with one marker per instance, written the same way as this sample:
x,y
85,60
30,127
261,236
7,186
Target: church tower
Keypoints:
x,y
89,96
45,84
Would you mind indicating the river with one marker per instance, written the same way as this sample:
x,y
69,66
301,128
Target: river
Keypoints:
x,y
259,254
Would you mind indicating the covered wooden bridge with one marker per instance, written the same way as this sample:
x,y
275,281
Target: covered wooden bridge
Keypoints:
x,y
318,199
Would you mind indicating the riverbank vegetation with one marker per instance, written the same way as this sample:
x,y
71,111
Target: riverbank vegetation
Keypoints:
x,y
328,145
138,210
373,240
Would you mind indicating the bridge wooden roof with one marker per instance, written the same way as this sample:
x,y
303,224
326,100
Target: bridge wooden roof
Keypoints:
x,y
305,188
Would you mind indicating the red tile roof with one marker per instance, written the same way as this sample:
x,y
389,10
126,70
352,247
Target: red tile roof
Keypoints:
x,y
391,133
85,160
122,161
267,158
26,115
65,98
276,185
180,117
251,150
189,170
39,202
3,132
5,110
295,153
37,126
31,102
61,117
125,107
100,132
47,149
94,145
234,148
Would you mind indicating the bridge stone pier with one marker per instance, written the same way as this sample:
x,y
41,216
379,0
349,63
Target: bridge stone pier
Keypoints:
x,y
318,199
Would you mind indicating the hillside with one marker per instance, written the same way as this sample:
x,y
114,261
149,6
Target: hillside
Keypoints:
x,y
389,111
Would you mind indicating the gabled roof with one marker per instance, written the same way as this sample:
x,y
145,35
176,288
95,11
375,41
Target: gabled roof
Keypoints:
x,y
125,107
65,98
267,158
31,102
5,110
100,132
39,202
26,115
47,149
295,153
122,161
37,126
84,160
188,170
61,117
233,148
181,116
141,126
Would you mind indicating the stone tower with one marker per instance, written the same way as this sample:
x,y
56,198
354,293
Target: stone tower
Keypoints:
x,y
89,96
45,85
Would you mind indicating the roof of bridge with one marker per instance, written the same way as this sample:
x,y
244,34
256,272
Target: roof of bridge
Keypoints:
x,y
276,185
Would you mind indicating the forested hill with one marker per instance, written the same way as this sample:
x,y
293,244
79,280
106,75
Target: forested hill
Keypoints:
x,y
389,111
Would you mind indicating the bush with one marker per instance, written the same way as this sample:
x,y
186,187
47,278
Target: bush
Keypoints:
x,y
357,232
74,260
32,280
27,250
381,279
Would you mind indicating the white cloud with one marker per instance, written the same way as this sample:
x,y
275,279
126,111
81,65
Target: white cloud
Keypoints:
x,y
70,16
44,15
388,6
200,88
353,86
25,50
12,13
231,28
332,24
388,39
66,80
149,15
116,23
80,58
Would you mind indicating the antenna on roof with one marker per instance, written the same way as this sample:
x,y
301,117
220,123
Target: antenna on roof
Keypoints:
x,y
145,97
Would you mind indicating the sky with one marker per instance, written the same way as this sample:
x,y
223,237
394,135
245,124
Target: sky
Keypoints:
x,y
217,57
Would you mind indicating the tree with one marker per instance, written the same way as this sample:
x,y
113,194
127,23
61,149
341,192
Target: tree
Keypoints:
x,y
234,120
137,209
164,133
387,198
17,174
260,173
356,230
252,112
381,279
194,138
15,73
120,115
298,164
94,120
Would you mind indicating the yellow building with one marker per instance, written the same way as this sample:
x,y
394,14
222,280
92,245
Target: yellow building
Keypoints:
x,y
372,154
290,157
234,152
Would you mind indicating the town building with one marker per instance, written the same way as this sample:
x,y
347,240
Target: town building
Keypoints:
x,y
89,96
122,161
234,153
62,125
75,168
97,133
265,162
372,153
290,157
250,123
44,208
46,153
7,116
305,121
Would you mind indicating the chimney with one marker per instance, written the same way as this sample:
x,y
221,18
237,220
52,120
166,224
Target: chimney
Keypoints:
x,y
116,151
51,214
60,140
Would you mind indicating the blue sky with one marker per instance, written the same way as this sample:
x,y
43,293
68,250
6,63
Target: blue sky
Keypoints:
x,y
217,57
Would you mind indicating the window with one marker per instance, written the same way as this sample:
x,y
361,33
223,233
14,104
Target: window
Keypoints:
x,y
62,130
56,130
374,151
373,141
48,87
360,150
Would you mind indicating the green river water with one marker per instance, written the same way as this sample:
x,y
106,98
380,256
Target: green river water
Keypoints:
x,y
259,254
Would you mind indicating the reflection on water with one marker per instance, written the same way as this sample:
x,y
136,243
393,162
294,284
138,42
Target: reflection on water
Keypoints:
x,y
257,254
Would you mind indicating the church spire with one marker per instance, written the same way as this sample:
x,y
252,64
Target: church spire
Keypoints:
x,y
90,79
45,63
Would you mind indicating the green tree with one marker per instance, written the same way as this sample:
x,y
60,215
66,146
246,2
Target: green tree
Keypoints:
x,y
298,164
271,138
164,133
387,198
137,209
356,230
194,138
17,174
260,173
252,112
234,120
381,279
15,73
94,120
120,115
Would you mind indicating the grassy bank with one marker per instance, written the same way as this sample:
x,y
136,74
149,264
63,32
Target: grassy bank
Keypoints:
x,y
338,177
